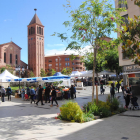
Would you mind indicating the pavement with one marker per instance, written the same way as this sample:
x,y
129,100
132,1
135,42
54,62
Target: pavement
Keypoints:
x,y
20,120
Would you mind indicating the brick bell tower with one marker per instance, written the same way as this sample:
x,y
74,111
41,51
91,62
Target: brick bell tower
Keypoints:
x,y
36,59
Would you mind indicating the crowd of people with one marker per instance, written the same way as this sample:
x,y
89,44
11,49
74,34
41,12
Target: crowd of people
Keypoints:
x,y
35,94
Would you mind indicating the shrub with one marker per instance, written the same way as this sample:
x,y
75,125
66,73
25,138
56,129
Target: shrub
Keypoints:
x,y
88,117
114,104
71,111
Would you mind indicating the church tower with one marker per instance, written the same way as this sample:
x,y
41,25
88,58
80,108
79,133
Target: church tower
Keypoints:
x,y
36,46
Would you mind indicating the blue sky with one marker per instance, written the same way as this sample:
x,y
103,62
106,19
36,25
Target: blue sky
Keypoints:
x,y
15,15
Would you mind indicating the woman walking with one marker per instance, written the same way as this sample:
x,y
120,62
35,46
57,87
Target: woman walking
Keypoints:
x,y
40,95
127,95
112,91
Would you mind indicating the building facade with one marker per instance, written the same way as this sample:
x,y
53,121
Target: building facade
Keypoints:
x,y
128,65
36,60
58,62
10,55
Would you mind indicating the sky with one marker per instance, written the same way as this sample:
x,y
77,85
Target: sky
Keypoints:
x,y
15,15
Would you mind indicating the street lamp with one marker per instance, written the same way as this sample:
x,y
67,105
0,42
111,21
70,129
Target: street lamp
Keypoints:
x,y
18,70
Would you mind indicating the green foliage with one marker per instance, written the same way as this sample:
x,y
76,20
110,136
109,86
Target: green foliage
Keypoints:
x,y
71,111
88,117
66,71
90,23
57,83
50,72
2,69
130,34
31,74
42,73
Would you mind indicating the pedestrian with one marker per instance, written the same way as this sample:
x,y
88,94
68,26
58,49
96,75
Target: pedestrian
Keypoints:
x,y
112,90
40,90
72,90
36,92
102,89
28,91
122,86
2,91
127,95
118,86
47,93
32,94
9,92
22,93
54,97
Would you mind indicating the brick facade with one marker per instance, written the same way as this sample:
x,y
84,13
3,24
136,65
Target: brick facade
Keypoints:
x,y
58,62
36,46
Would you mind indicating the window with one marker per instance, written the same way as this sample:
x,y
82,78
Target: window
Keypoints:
x,y
50,65
73,68
56,64
31,38
11,58
50,60
56,60
29,31
65,59
72,63
32,30
40,30
39,38
125,18
37,30
59,64
16,58
121,4
65,64
68,59
68,64
4,57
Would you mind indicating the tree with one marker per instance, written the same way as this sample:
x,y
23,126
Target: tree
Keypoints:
x,y
90,23
110,60
66,71
51,72
31,74
2,69
130,34
42,73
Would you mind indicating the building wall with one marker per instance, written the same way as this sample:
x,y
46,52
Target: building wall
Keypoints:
x,y
52,62
36,50
131,11
9,48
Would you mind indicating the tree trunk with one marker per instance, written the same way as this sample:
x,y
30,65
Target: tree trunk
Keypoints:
x,y
93,84
98,79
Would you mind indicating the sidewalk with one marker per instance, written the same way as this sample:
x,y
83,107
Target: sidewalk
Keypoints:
x,y
20,120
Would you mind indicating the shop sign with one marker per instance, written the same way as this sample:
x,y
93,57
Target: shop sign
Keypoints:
x,y
132,68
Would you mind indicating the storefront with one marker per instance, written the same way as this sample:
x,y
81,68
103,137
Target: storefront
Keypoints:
x,y
132,77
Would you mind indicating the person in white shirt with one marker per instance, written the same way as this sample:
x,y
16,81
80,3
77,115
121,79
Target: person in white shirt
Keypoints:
x,y
122,87
2,91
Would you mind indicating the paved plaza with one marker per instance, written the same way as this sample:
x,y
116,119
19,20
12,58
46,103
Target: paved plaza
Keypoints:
x,y
20,120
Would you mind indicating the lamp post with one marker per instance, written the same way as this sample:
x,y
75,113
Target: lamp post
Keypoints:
x,y
18,70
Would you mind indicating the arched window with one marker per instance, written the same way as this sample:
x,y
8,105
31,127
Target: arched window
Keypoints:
x,y
40,30
4,57
16,58
32,30
37,30
10,58
29,31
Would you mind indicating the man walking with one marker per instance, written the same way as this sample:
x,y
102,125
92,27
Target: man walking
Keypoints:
x,y
47,93
40,95
2,91
9,92
54,97
32,94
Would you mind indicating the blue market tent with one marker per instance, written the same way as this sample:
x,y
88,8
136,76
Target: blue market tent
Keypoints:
x,y
59,74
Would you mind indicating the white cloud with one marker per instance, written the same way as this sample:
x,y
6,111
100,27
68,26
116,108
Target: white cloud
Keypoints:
x,y
7,20
62,51
55,45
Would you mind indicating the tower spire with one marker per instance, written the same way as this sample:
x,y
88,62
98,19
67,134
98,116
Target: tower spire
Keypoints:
x,y
35,10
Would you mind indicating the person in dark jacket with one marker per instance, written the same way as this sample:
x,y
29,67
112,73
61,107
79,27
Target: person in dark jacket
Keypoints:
x,y
28,91
32,94
118,86
47,93
72,91
54,97
112,90
40,95
9,92
127,95
75,91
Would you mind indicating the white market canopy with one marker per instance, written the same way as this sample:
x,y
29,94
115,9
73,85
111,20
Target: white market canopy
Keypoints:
x,y
76,74
104,72
6,75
